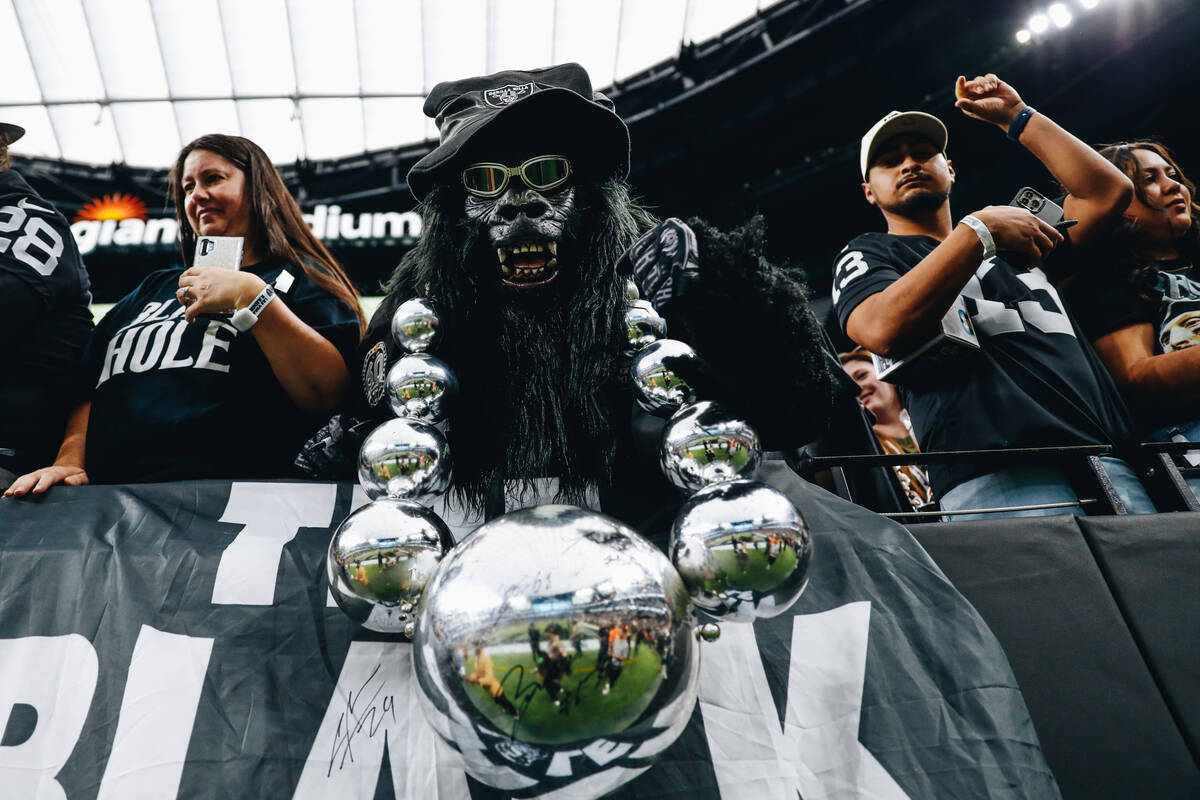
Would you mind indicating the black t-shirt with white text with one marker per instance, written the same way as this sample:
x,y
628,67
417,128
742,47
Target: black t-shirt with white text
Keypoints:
x,y
174,400
1034,382
47,323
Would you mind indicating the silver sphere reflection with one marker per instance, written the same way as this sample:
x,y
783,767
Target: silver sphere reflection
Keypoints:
x,y
704,444
709,631
415,325
553,630
404,458
643,325
655,386
380,560
743,550
421,386
631,290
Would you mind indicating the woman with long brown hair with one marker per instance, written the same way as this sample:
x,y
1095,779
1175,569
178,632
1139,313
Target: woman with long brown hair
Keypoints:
x,y
1140,304
206,371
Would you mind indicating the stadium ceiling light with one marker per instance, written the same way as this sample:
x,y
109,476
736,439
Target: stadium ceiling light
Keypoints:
x,y
1059,15
1039,23
1024,36
1088,5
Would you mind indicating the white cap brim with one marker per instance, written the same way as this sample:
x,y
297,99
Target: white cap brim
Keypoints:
x,y
896,123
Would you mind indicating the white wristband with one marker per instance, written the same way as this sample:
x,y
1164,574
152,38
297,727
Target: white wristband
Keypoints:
x,y
985,236
244,318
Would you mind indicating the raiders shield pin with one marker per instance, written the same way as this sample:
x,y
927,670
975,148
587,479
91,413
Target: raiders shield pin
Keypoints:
x,y
505,95
374,374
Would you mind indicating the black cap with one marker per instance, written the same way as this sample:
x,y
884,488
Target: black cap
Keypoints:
x,y
560,95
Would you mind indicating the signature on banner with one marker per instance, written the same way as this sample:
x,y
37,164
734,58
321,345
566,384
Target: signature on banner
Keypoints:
x,y
361,718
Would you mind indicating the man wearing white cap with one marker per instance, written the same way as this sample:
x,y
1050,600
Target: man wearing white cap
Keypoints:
x,y
1034,381
45,320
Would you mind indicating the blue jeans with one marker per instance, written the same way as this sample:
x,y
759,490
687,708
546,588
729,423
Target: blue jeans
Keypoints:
x,y
1182,432
1025,486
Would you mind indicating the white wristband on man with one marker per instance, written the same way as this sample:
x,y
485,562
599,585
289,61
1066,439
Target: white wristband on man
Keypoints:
x,y
985,236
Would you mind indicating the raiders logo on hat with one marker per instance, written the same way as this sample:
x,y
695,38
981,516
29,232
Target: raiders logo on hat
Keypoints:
x,y
374,374
499,98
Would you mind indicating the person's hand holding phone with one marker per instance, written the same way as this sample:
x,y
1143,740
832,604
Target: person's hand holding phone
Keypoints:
x,y
1023,239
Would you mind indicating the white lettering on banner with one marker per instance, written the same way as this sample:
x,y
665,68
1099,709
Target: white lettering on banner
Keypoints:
x,y
394,225
57,676
326,222
158,710
107,228
130,231
271,514
89,233
375,701
817,753
360,231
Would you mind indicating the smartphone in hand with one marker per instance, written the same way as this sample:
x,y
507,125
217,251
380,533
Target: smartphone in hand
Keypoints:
x,y
1038,204
218,251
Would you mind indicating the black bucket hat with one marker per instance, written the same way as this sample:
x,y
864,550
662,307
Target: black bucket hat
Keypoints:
x,y
9,133
466,107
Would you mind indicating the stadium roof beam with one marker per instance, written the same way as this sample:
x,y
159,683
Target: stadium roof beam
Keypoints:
x,y
298,116
162,58
237,108
87,23
37,77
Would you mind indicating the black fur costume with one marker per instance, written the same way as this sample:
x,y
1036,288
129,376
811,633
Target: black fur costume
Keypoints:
x,y
544,382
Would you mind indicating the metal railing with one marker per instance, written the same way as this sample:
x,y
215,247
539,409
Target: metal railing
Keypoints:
x,y
1164,480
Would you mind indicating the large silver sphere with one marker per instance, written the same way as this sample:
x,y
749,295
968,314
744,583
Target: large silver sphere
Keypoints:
x,y
421,386
743,550
404,458
703,444
643,325
550,631
415,325
380,560
656,387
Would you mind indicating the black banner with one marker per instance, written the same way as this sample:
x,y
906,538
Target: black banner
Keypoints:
x,y
178,640
1098,618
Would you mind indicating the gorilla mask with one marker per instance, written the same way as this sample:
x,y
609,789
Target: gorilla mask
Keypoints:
x,y
524,218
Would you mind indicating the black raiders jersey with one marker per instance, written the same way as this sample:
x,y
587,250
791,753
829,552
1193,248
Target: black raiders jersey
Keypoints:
x,y
39,362
1034,382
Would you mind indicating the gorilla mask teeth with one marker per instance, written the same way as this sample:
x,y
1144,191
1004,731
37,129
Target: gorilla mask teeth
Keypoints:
x,y
528,263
